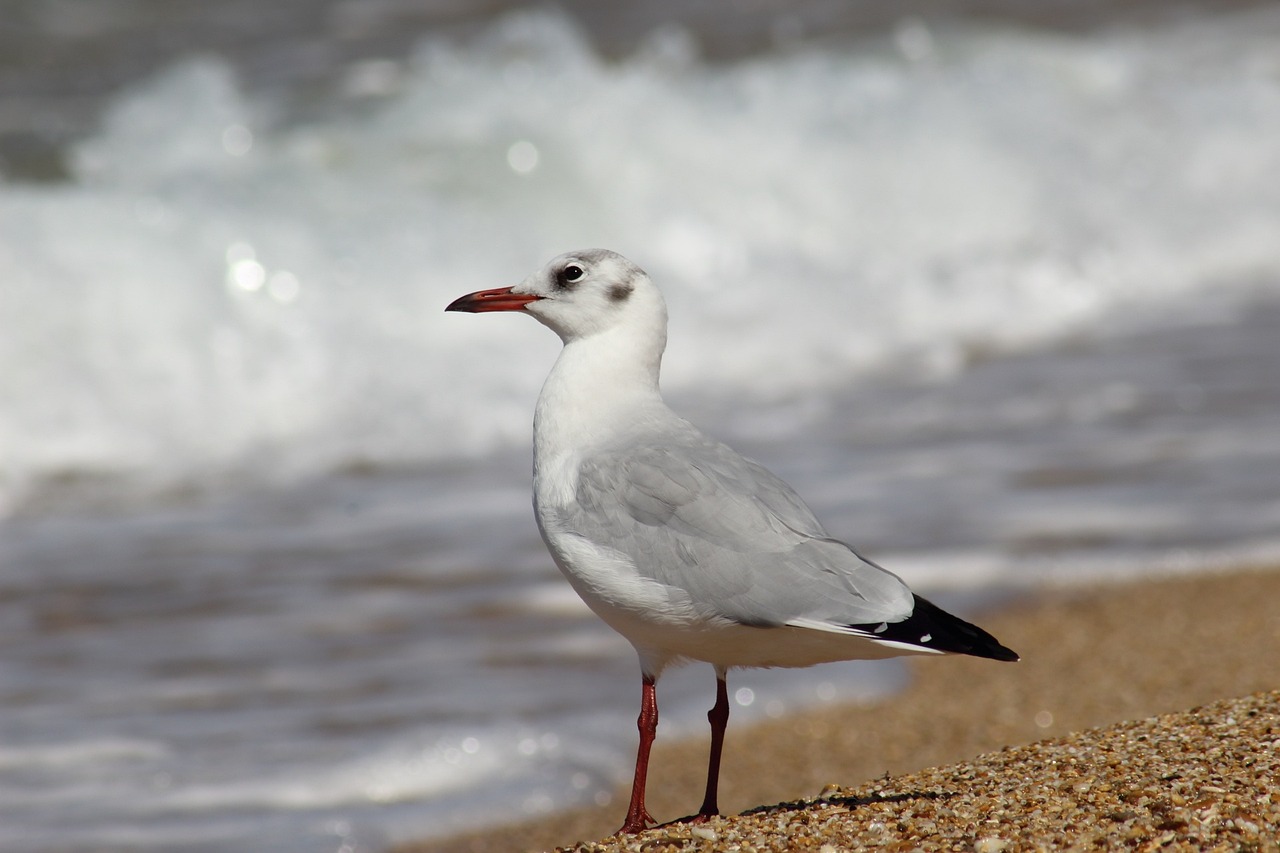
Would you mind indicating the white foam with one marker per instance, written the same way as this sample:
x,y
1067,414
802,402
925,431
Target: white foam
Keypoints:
x,y
222,288
98,751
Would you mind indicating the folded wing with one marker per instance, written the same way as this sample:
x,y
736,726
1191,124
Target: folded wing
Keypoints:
x,y
694,515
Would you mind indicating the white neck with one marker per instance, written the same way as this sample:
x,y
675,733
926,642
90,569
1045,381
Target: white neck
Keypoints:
x,y
600,387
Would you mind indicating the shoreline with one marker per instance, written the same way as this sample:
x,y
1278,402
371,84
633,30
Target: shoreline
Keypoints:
x,y
1092,656
1125,786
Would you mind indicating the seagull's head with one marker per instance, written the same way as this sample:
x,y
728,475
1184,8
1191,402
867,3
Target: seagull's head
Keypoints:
x,y
580,294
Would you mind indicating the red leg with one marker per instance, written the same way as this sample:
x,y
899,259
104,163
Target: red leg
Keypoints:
x,y
718,716
638,817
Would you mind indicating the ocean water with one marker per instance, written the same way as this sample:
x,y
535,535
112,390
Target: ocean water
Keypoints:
x,y
1000,302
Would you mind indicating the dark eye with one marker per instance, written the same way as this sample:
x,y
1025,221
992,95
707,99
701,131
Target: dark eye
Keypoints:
x,y
571,273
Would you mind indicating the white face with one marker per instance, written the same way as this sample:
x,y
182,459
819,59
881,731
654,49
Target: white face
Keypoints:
x,y
583,293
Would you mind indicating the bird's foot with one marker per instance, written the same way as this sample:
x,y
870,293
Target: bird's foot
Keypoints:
x,y
636,823
700,817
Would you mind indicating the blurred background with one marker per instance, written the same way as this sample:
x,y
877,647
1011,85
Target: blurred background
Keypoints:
x,y
995,285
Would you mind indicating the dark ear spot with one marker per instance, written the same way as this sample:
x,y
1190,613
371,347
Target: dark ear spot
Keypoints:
x,y
619,292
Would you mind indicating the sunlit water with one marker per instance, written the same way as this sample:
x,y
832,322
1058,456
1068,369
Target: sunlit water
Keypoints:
x,y
1000,304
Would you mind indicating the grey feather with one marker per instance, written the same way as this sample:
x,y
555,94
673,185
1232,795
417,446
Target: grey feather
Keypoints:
x,y
693,514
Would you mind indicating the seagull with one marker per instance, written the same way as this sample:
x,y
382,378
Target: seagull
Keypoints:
x,y
690,551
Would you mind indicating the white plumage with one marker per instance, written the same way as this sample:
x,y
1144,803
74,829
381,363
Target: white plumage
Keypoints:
x,y
687,549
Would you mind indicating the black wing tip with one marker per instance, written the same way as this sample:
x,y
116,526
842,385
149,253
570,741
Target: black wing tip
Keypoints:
x,y
959,636
998,651
931,628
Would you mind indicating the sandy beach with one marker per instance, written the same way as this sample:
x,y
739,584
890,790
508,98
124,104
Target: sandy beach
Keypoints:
x,y
1017,751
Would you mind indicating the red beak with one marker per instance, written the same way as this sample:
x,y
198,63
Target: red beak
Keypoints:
x,y
497,299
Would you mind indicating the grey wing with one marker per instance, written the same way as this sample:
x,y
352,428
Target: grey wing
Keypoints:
x,y
697,516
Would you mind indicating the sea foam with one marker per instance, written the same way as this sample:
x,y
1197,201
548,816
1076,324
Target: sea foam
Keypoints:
x,y
251,283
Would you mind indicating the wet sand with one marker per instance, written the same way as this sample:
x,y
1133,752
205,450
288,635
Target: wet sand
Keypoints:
x,y
1091,657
